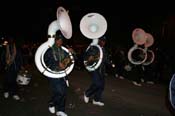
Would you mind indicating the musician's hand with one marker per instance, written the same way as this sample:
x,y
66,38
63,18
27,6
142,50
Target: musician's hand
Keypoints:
x,y
22,68
71,50
61,65
91,58
7,62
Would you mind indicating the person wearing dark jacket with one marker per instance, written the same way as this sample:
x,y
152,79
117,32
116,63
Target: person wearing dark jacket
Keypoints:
x,y
53,59
98,76
13,62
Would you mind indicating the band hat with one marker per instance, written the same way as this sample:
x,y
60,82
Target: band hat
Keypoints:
x,y
59,36
103,38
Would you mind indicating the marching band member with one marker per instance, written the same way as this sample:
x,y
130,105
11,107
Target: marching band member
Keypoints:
x,y
53,59
98,76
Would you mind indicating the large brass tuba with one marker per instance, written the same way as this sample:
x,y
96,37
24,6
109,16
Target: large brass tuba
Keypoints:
x,y
93,26
150,54
63,23
137,54
171,91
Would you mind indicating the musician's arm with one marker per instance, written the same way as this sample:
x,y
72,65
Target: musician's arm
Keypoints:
x,y
92,51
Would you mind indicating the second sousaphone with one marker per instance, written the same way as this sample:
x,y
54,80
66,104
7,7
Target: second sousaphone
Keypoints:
x,y
93,26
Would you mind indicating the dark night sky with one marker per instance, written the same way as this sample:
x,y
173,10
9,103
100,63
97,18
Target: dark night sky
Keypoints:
x,y
30,19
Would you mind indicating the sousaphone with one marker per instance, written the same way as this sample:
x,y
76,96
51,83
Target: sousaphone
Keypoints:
x,y
137,54
171,93
150,54
63,23
93,26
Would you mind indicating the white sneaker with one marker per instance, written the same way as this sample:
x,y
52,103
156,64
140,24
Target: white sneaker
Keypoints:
x,y
142,80
116,75
121,77
52,109
137,84
150,82
16,97
6,94
98,103
60,113
86,99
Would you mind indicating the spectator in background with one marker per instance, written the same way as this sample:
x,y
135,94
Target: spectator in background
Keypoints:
x,y
120,62
13,62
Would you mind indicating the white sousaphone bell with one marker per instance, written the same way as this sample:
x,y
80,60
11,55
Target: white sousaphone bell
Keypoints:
x,y
63,23
93,26
137,55
142,55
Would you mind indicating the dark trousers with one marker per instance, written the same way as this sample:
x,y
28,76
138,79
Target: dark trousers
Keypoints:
x,y
137,73
119,69
97,86
10,84
59,89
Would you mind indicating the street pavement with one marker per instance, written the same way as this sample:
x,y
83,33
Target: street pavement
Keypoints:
x,y
120,96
